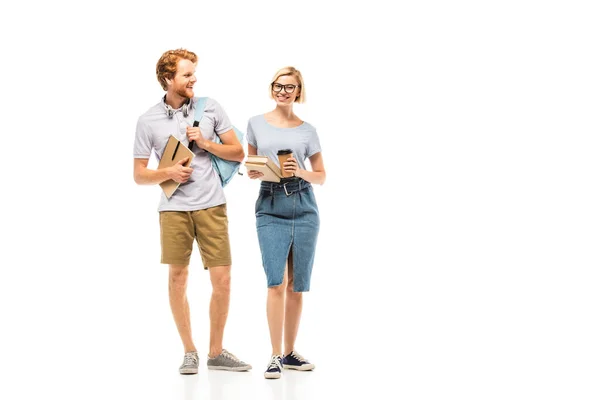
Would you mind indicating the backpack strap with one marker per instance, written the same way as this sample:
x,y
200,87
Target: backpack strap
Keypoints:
x,y
200,104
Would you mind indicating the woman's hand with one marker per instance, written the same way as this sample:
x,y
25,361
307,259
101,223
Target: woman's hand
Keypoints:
x,y
291,166
254,174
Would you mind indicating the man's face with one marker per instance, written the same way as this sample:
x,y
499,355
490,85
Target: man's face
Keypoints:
x,y
184,79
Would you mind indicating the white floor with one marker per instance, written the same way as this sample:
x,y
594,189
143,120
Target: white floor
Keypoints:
x,y
422,304
417,313
90,375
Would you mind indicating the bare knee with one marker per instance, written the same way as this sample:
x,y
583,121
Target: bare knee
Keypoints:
x,y
290,291
222,283
290,285
178,275
278,290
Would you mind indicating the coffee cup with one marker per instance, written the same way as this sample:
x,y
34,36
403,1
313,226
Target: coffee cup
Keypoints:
x,y
283,155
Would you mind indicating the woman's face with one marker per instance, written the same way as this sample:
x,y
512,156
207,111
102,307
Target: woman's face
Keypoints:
x,y
285,90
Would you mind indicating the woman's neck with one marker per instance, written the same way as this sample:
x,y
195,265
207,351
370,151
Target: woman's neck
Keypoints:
x,y
284,113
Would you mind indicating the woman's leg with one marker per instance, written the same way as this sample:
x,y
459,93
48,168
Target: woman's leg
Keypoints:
x,y
293,309
275,314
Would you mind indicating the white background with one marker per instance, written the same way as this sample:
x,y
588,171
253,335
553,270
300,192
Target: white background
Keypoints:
x,y
458,254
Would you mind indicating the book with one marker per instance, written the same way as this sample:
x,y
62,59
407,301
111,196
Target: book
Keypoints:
x,y
270,170
174,152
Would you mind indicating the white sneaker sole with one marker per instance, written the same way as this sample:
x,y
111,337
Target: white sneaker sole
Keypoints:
x,y
305,367
188,371
272,375
246,368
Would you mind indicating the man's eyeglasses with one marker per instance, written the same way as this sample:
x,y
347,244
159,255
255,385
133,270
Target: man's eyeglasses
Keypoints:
x,y
288,88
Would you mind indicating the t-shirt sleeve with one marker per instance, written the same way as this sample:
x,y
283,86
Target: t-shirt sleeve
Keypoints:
x,y
314,145
222,122
250,137
142,145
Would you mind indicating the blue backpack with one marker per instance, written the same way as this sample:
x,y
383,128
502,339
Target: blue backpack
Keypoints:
x,y
225,169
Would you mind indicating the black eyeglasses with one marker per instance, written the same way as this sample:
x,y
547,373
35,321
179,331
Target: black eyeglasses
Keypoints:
x,y
288,88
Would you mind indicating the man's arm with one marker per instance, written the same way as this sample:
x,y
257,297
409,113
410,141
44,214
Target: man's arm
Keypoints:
x,y
231,149
144,176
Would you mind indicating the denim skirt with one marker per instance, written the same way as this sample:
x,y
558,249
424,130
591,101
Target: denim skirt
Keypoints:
x,y
287,219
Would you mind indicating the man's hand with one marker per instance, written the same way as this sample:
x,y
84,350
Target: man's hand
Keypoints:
x,y
194,135
179,173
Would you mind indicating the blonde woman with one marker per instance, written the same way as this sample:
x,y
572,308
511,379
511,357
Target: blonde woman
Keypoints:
x,y
287,217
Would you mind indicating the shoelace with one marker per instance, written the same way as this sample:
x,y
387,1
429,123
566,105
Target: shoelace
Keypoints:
x,y
230,356
298,357
190,359
275,363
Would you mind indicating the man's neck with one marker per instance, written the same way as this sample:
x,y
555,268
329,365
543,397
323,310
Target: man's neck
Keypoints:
x,y
175,100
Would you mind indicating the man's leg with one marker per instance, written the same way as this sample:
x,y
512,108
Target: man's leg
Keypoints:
x,y
218,357
213,239
220,278
180,308
176,239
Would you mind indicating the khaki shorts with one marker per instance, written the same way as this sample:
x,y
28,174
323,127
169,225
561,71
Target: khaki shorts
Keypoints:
x,y
209,227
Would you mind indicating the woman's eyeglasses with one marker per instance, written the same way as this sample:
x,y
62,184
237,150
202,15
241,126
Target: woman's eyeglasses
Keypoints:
x,y
288,88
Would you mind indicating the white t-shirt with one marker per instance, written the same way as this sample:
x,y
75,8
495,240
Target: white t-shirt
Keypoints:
x,y
268,139
203,190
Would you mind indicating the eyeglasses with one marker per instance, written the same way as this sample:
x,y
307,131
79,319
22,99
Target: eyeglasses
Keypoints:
x,y
288,88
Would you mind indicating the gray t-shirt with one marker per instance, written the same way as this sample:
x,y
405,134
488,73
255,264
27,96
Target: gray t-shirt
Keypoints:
x,y
268,139
203,190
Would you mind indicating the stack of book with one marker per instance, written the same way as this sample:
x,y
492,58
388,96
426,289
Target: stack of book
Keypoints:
x,y
270,170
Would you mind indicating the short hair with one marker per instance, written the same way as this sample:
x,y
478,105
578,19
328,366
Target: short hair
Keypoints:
x,y
166,67
291,71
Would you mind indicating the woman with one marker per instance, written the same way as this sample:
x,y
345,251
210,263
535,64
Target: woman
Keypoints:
x,y
287,217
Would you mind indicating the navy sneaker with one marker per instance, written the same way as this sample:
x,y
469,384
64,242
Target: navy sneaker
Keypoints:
x,y
274,368
296,361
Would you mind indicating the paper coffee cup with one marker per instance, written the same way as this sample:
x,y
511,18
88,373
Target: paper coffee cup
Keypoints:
x,y
283,155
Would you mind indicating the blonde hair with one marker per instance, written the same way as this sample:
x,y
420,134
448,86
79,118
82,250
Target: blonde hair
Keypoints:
x,y
291,71
166,67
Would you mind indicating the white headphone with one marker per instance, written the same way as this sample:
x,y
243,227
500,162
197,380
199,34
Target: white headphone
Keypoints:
x,y
185,109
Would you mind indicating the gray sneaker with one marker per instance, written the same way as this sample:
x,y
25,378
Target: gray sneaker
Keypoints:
x,y
190,363
228,362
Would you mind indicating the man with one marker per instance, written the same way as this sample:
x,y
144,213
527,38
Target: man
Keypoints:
x,y
197,209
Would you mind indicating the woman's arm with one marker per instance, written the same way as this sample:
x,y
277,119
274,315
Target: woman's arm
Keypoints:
x,y
316,176
253,174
